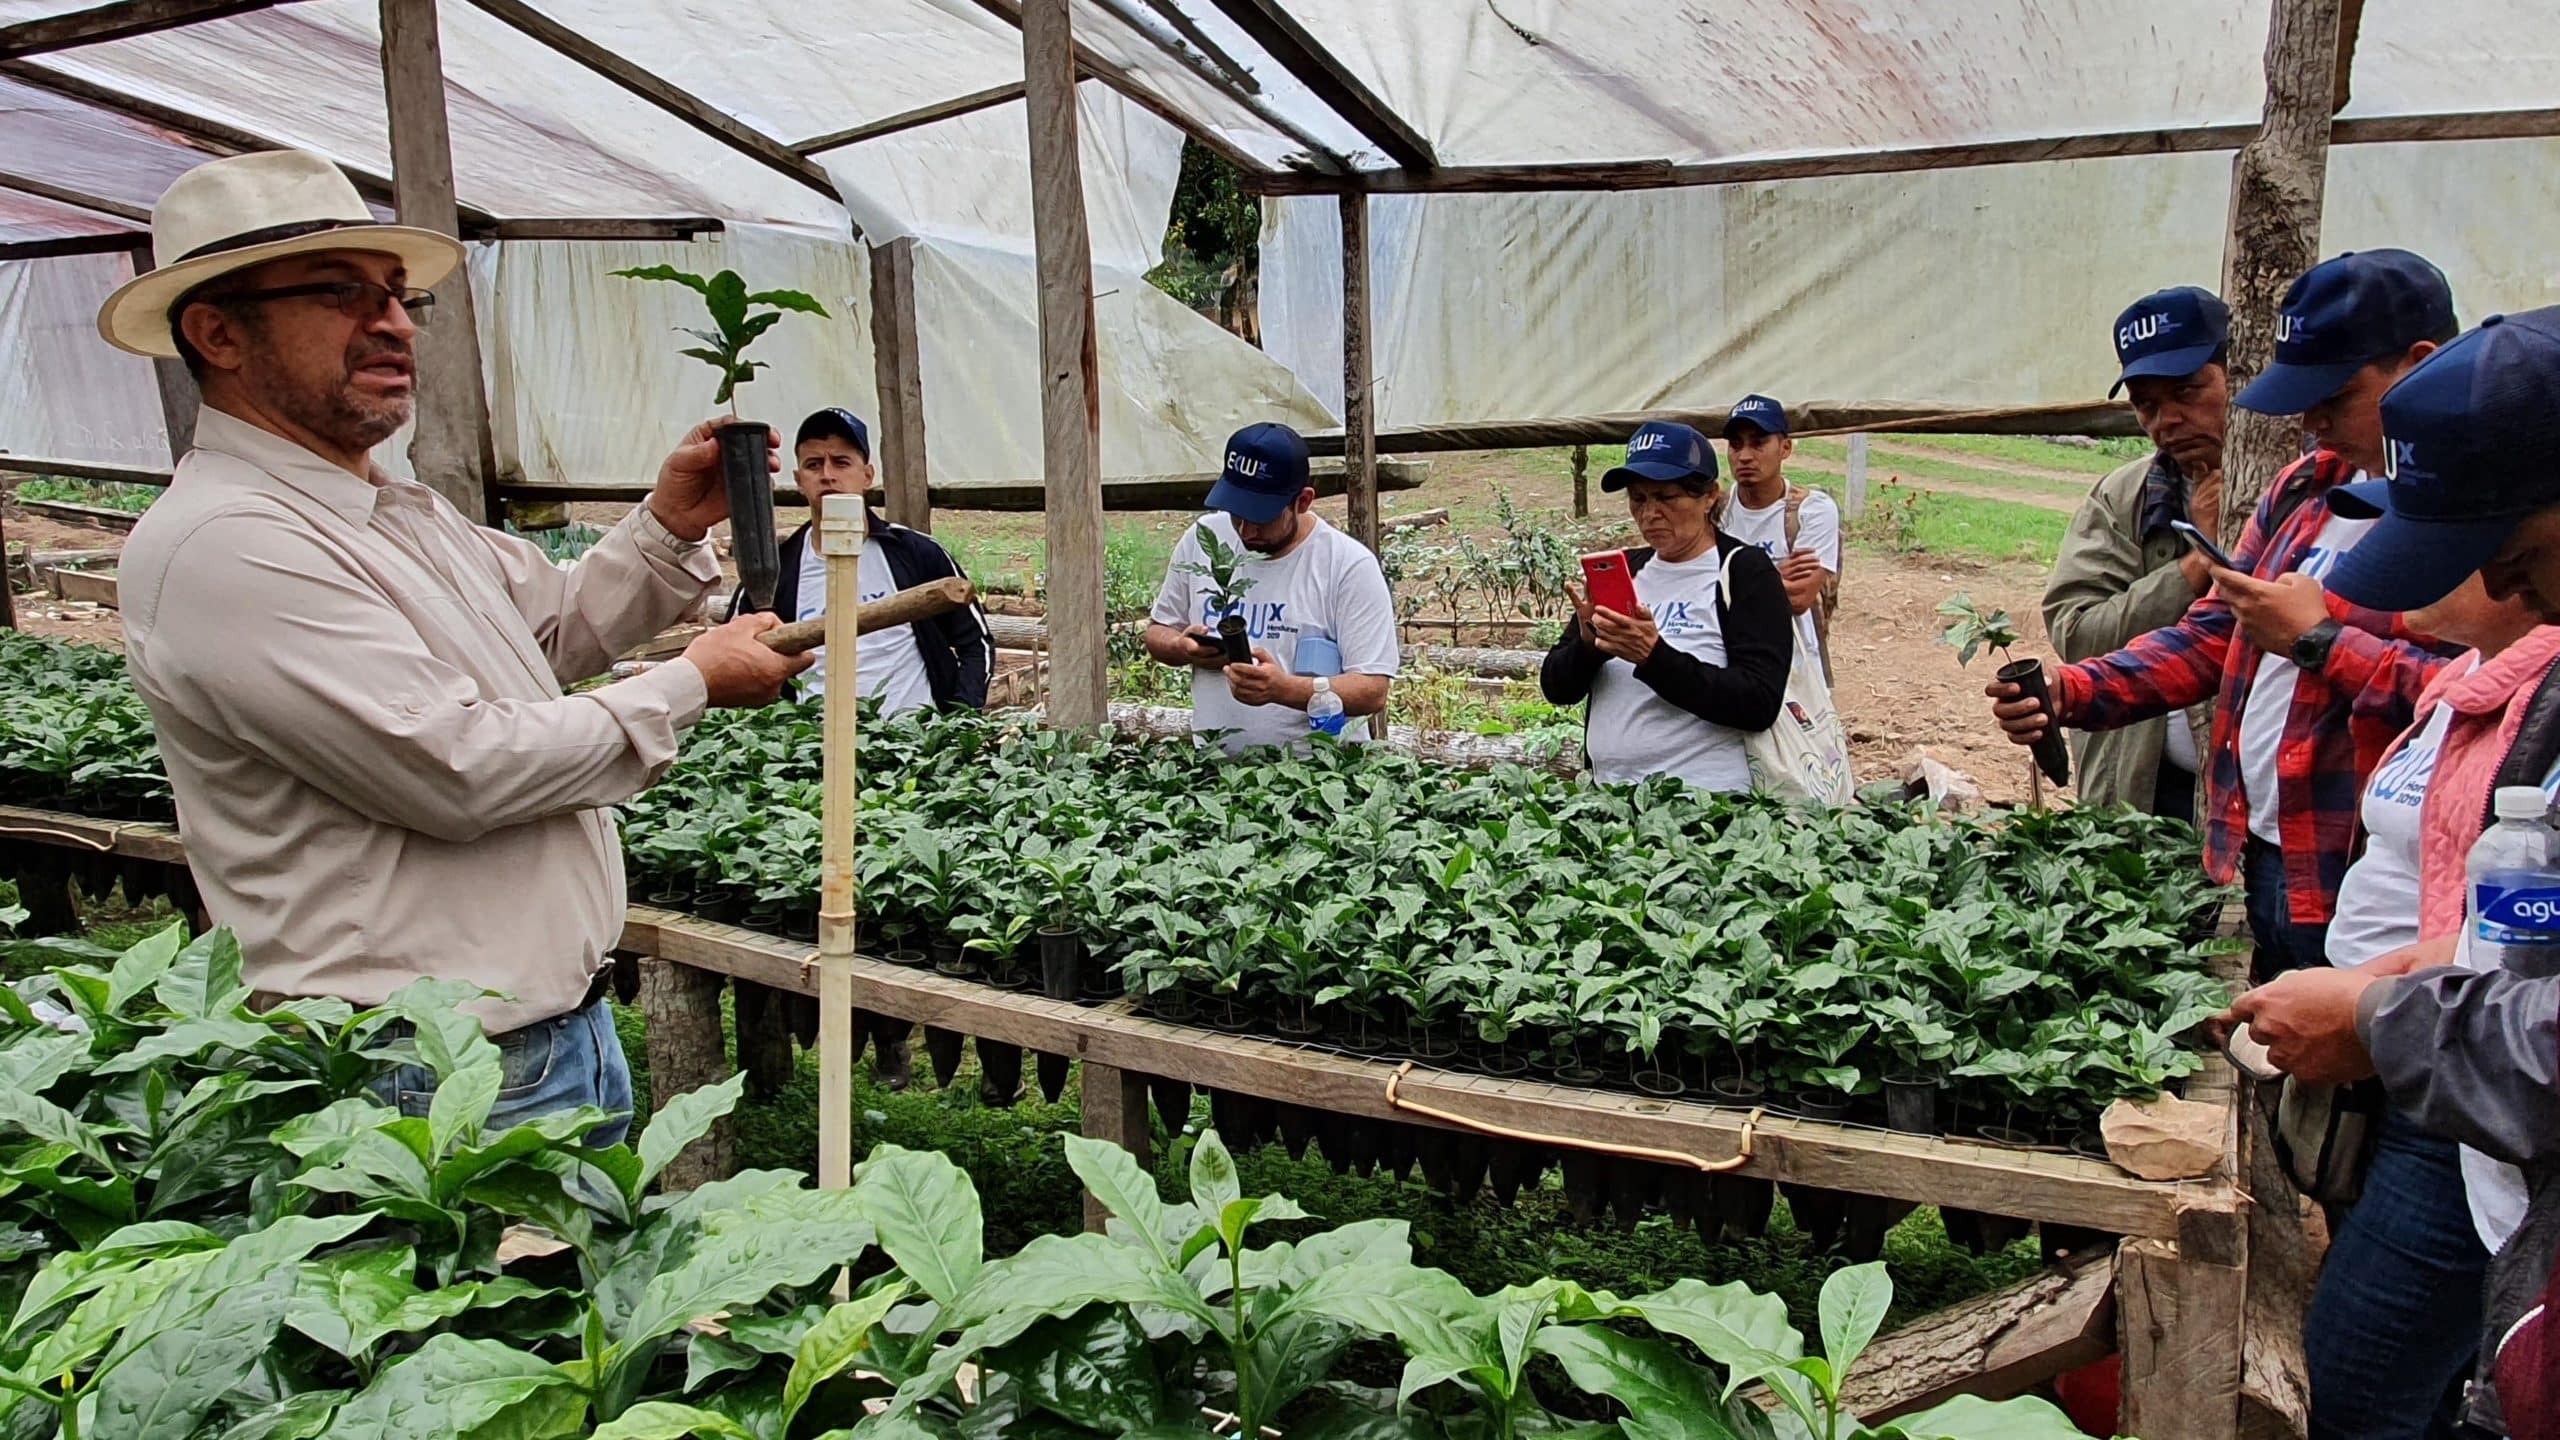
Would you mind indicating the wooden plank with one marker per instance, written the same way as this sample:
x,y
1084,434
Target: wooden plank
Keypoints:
x,y
921,116
78,199
1359,402
137,839
685,1054
1857,486
710,119
86,586
897,360
1071,432
452,449
2277,183
1278,32
2180,1325
122,20
1997,1345
1115,1109
96,517
114,244
1825,417
2063,1188
679,227
1110,72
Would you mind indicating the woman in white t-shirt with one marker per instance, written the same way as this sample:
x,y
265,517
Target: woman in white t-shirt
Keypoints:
x,y
1674,687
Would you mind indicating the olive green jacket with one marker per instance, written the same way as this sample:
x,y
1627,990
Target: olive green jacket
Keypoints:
x,y
2111,583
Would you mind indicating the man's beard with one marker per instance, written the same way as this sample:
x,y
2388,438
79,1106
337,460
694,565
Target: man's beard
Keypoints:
x,y
334,410
1270,545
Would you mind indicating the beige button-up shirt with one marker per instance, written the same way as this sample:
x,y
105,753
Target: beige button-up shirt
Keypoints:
x,y
358,698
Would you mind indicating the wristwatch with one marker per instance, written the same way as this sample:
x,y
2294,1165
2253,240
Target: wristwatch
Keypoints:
x,y
2311,652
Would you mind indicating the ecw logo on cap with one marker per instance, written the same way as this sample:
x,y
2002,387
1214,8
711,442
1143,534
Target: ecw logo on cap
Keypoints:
x,y
1759,410
2344,314
2170,334
1265,472
1666,451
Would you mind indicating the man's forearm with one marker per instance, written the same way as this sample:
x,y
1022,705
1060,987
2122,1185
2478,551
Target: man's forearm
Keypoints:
x,y
1168,644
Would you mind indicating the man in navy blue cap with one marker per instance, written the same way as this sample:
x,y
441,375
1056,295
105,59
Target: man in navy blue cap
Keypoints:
x,y
1796,526
1314,606
2122,571
2468,1051
2306,699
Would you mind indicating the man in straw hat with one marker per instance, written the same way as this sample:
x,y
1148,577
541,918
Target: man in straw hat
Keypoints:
x,y
358,691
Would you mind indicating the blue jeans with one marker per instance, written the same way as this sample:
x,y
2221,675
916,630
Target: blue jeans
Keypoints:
x,y
2282,945
2395,1322
550,1066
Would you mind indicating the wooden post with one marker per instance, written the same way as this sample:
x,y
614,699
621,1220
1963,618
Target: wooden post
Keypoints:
x,y
452,451
897,365
842,527
179,399
1857,505
2181,1329
1115,1109
8,600
1359,412
2277,181
1070,380
685,1053
1581,482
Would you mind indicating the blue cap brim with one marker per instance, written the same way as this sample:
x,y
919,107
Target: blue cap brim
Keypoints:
x,y
1732,425
1620,477
1252,506
2292,389
2364,500
2404,564
2168,364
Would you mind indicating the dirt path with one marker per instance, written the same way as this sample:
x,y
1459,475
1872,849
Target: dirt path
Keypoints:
x,y
1916,450
1897,684
2033,499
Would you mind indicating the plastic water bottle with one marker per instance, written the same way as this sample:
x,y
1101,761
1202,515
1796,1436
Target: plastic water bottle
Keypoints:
x,y
2514,874
1324,713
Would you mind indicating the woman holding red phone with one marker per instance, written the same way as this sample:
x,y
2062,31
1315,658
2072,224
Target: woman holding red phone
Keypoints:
x,y
1680,647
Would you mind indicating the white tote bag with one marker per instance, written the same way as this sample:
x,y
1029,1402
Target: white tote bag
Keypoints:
x,y
1804,754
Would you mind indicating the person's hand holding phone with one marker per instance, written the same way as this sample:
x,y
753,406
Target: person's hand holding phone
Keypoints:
x,y
1582,608
1209,652
1629,637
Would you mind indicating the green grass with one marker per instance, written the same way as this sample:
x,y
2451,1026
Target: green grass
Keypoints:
x,y
1957,525
105,495
2028,450
1915,467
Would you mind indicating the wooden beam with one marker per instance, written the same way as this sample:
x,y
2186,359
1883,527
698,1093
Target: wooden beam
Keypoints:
x,y
1115,1109
8,597
77,199
83,469
1581,481
2277,183
1117,76
1822,417
1995,1346
915,119
1128,494
1070,380
2180,1320
451,449
2342,84
1359,400
711,120
897,367
683,227
122,20
1299,52
115,244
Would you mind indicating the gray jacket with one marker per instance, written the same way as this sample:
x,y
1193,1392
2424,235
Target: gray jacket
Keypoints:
x,y
2115,578
2474,1056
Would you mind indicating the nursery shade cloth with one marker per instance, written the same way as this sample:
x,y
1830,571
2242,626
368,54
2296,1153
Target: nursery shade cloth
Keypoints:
x,y
357,694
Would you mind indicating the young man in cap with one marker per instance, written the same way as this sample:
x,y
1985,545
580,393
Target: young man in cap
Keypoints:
x,y
1796,526
1318,612
2309,692
942,662
2122,572
358,691
2468,1050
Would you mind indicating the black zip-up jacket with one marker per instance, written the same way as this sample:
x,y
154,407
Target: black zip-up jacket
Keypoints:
x,y
958,649
1745,693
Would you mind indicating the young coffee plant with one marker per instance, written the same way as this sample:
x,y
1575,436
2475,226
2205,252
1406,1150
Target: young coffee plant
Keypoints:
x,y
735,323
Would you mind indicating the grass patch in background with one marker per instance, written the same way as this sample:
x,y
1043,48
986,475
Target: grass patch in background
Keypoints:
x,y
1916,467
2093,459
103,494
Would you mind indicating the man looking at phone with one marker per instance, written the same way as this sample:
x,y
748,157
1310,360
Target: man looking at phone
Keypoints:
x,y
2123,571
1796,526
2310,690
1313,600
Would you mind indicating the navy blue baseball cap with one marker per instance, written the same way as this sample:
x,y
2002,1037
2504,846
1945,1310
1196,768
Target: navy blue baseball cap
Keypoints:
x,y
835,423
2471,432
2343,315
1663,450
2170,334
1758,410
1266,471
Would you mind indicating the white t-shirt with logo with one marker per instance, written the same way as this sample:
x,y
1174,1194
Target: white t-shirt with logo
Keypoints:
x,y
1634,733
2271,689
889,664
2378,900
1329,587
1817,530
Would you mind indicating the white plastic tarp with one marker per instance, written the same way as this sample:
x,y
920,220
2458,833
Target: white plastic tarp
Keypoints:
x,y
1954,289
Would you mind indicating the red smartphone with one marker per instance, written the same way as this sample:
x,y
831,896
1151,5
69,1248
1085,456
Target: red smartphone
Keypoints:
x,y
1612,584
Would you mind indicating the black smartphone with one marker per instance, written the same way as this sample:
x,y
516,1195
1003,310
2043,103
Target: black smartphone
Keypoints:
x,y
2203,546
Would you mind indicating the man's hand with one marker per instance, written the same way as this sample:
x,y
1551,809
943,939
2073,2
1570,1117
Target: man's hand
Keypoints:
x,y
690,496
2273,613
1803,575
2307,1021
739,670
2204,505
1266,682
2024,720
1209,652
2198,570
1625,637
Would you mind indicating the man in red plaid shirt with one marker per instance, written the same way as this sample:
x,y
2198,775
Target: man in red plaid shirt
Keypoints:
x,y
2310,689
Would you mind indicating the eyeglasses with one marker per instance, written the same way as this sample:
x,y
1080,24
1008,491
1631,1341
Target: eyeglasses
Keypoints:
x,y
359,299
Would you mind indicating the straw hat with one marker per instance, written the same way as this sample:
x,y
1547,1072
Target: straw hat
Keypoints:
x,y
246,210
